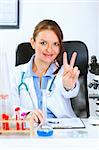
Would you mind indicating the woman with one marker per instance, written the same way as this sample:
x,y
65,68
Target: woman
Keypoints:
x,y
44,72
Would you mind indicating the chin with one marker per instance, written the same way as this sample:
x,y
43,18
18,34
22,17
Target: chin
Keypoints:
x,y
48,61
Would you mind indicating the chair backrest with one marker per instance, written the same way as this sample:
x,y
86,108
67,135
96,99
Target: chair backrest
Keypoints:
x,y
80,103
24,52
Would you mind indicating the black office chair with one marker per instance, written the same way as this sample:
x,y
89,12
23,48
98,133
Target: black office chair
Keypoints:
x,y
80,103
24,52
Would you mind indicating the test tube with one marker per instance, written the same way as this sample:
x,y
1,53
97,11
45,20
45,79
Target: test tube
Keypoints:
x,y
4,113
17,112
4,89
23,116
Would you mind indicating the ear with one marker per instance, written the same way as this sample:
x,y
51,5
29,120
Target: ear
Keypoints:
x,y
32,43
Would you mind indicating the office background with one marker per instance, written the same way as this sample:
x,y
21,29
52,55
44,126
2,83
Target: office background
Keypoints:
x,y
79,20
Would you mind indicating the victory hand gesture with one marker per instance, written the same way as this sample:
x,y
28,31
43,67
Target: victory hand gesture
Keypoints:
x,y
70,73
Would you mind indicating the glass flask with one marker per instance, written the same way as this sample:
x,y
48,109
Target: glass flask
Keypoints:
x,y
44,129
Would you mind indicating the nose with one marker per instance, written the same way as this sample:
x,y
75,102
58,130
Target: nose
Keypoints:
x,y
49,48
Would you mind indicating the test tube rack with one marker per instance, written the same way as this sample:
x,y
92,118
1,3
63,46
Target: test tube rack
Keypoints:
x,y
10,122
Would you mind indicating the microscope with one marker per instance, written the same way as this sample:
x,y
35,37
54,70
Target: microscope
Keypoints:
x,y
94,84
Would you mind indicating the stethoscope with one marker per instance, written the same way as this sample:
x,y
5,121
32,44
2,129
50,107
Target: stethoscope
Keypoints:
x,y
27,89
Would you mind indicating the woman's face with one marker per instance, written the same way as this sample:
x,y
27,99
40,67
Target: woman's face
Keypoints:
x,y
46,46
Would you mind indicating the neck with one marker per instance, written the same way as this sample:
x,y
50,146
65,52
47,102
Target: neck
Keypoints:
x,y
40,68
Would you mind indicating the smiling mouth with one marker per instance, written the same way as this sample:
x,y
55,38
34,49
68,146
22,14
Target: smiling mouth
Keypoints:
x,y
48,55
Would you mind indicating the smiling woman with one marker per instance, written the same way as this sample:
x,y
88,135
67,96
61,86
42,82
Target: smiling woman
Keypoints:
x,y
43,72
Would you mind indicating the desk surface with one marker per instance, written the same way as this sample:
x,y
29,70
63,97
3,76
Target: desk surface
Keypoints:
x,y
73,139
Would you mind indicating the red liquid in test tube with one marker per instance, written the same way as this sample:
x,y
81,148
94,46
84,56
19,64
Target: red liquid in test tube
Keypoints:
x,y
5,124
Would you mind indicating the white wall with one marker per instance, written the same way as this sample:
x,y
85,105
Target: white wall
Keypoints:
x,y
98,31
78,21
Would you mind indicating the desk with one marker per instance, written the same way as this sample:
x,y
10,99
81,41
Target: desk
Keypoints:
x,y
63,139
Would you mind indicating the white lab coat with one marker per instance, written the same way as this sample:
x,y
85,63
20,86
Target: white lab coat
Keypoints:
x,y
58,100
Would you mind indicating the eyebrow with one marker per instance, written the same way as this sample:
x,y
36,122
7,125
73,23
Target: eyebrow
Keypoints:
x,y
47,41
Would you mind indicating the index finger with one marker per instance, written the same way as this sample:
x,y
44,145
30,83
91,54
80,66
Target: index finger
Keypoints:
x,y
73,59
65,62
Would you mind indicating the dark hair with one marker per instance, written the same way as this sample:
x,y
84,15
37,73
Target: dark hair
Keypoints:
x,y
48,24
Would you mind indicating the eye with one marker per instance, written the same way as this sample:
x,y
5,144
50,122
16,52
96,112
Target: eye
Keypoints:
x,y
43,43
57,44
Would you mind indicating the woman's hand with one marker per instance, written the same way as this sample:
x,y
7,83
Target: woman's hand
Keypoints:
x,y
70,73
37,116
